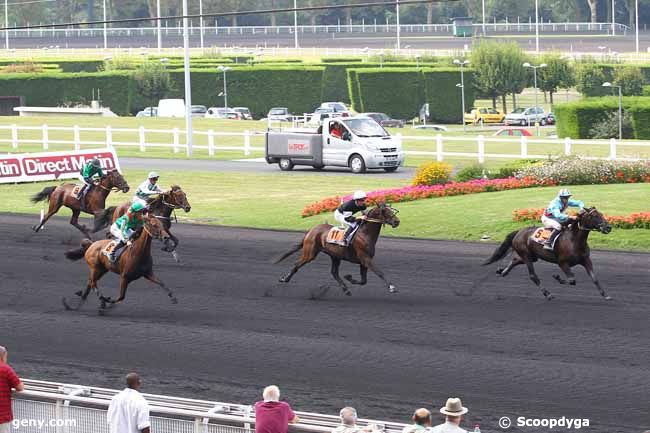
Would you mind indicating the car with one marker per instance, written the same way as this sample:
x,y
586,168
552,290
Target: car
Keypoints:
x,y
199,110
171,108
385,120
148,112
244,113
513,132
483,115
222,113
279,113
337,107
526,116
320,115
431,127
550,119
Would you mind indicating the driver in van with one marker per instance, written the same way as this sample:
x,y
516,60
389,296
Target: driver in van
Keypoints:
x,y
337,130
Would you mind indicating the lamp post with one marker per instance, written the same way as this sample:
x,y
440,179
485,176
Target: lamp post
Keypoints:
x,y
200,22
105,26
158,26
636,25
6,26
417,60
398,29
295,25
613,18
224,69
483,7
620,108
536,26
186,78
535,68
462,88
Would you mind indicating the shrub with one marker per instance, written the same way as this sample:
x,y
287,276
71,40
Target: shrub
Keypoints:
x,y
22,68
433,173
590,78
641,120
510,169
395,91
341,59
475,171
444,98
122,63
608,127
152,81
630,79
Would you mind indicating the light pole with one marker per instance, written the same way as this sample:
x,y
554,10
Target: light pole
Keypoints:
x,y
105,27
188,83
200,22
620,108
535,68
613,18
483,6
462,88
6,26
224,69
158,26
417,60
295,25
399,44
536,26
636,25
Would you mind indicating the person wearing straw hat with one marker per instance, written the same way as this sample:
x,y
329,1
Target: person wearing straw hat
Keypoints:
x,y
454,412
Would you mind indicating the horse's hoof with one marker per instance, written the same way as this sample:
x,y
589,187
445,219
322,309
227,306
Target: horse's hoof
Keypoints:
x,y
65,304
572,282
283,280
79,293
347,293
550,297
608,298
392,289
499,271
174,300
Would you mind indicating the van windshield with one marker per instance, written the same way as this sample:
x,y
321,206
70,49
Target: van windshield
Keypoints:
x,y
365,128
278,111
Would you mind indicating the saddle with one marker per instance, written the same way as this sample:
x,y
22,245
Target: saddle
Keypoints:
x,y
336,235
76,190
108,249
542,234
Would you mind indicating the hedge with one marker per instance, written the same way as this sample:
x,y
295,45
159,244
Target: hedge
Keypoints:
x,y
397,92
641,120
442,95
353,90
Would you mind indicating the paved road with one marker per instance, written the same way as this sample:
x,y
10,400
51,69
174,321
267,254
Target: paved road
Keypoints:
x,y
454,329
251,166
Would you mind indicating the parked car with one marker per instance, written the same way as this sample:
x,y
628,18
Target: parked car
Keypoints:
x,y
279,113
550,119
431,126
148,112
222,113
244,113
526,116
171,108
320,115
385,120
337,107
513,132
483,115
199,110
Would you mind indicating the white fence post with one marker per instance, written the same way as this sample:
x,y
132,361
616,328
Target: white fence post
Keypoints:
x,y
76,139
45,138
109,137
439,155
612,148
567,146
524,146
210,142
176,140
141,133
14,136
247,142
481,149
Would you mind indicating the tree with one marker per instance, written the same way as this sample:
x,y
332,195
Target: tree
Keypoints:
x,y
514,74
558,74
589,79
593,7
152,81
631,80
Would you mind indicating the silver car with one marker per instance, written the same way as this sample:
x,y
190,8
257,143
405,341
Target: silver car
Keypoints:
x,y
526,116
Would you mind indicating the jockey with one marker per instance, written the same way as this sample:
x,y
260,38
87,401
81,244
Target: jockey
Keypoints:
x,y
125,226
89,174
554,216
147,189
344,214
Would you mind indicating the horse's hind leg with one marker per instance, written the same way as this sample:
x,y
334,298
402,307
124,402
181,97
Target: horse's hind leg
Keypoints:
x,y
535,279
54,206
589,267
151,277
309,253
571,278
74,220
124,283
364,276
515,261
336,262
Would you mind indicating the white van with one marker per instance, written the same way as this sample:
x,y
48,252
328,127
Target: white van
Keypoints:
x,y
171,108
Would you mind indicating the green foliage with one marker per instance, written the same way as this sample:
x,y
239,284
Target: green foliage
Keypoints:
x,y
341,59
471,172
397,92
353,90
640,113
432,173
558,74
511,168
631,80
442,95
590,78
608,127
152,81
122,63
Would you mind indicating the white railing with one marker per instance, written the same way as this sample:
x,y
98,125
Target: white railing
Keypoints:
x,y
440,147
84,408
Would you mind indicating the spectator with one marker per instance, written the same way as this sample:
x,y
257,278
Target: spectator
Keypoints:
x,y
8,381
273,415
129,411
349,423
454,412
421,422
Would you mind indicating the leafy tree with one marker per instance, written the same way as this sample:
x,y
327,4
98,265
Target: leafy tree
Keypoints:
x,y
589,80
631,80
152,81
608,127
558,74
514,74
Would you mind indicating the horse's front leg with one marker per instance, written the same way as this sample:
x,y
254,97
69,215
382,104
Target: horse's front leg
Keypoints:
x,y
336,263
151,277
535,279
363,271
370,264
589,267
571,278
171,248
74,220
124,283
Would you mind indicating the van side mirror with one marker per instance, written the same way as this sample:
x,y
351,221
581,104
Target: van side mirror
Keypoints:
x,y
347,136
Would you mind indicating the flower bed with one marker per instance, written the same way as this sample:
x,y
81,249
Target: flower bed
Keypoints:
x,y
577,171
411,193
640,220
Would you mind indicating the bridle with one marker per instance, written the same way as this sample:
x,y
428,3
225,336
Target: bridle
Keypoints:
x,y
383,221
113,188
588,229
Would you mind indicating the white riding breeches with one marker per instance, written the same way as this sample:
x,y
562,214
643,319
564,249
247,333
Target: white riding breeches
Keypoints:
x,y
83,181
551,223
340,218
115,231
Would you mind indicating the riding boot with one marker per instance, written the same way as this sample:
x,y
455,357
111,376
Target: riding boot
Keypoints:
x,y
548,245
347,238
113,255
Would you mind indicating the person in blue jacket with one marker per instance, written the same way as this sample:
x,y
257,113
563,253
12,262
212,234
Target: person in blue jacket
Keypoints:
x,y
555,216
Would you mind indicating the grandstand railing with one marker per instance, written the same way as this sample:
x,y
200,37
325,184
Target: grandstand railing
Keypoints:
x,y
67,408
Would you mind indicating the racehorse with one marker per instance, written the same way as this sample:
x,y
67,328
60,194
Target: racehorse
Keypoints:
x,y
161,207
361,250
95,199
134,262
571,249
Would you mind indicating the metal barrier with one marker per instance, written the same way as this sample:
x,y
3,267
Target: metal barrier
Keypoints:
x,y
65,408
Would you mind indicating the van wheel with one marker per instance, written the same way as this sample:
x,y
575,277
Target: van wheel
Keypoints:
x,y
319,167
390,169
357,164
285,164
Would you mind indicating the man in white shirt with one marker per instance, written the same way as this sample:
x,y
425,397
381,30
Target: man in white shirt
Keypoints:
x,y
349,423
129,411
454,412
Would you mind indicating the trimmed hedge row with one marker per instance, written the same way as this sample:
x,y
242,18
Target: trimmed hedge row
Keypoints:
x,y
66,65
576,119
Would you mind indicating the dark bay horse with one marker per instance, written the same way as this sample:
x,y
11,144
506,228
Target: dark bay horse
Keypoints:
x,y
571,249
161,207
361,250
95,199
134,263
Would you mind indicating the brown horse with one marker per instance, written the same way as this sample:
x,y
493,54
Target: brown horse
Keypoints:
x,y
161,207
361,250
571,249
134,263
95,199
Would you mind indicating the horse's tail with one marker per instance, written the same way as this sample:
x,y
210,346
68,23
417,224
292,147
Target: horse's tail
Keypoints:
x,y
104,218
503,249
44,194
293,250
79,252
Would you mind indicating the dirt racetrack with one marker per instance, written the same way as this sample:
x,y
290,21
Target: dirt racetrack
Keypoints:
x,y
455,329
